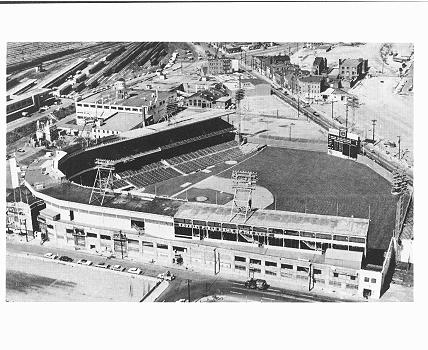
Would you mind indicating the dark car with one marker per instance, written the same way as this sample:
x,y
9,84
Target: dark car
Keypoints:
x,y
256,284
65,258
251,284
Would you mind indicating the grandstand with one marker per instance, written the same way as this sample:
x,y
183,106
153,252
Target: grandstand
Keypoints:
x,y
160,155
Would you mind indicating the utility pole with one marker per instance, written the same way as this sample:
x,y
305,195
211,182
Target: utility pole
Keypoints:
x,y
298,107
188,290
346,119
332,110
374,124
399,147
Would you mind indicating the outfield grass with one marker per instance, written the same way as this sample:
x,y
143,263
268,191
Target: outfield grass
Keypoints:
x,y
326,185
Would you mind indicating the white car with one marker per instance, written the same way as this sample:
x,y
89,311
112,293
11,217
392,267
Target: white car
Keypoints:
x,y
135,270
51,256
84,262
182,301
118,268
167,276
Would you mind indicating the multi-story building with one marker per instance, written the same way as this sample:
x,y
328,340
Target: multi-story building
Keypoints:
x,y
22,210
221,65
310,87
319,66
148,105
352,69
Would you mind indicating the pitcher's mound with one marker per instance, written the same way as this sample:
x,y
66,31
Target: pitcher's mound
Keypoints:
x,y
201,199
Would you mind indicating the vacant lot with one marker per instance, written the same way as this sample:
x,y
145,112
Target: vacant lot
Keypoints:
x,y
325,184
36,280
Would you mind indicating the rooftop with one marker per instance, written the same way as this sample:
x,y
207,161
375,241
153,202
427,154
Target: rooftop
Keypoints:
x,y
71,192
278,219
136,98
121,121
311,79
351,62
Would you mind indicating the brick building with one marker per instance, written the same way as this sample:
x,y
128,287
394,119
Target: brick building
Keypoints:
x,y
352,69
319,66
221,65
310,87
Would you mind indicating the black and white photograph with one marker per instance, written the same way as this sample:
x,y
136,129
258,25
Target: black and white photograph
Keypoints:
x,y
245,164
209,171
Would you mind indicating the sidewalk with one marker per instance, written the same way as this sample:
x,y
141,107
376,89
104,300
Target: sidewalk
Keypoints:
x,y
156,292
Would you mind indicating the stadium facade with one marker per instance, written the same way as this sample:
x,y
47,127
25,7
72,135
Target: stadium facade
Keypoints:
x,y
319,252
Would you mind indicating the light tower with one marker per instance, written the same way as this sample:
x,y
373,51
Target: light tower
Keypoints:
x,y
243,184
103,181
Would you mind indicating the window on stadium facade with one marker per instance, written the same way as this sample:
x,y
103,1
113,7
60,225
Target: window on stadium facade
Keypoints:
x,y
255,261
287,266
240,258
270,263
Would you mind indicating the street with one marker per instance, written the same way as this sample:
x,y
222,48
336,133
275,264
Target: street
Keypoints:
x,y
201,285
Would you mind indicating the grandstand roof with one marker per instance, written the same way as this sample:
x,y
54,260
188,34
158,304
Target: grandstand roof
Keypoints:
x,y
176,122
71,192
278,219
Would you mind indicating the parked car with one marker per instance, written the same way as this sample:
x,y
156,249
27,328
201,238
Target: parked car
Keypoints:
x,y
256,284
118,268
51,256
181,301
135,270
65,258
102,265
167,276
21,150
84,262
251,284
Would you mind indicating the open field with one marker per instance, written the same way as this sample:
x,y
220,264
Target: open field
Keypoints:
x,y
37,280
326,185
268,105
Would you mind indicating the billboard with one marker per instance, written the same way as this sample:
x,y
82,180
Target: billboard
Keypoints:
x,y
342,143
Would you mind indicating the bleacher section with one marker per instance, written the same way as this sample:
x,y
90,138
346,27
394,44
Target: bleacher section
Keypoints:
x,y
187,163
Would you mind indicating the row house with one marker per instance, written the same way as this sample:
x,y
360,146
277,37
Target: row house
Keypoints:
x,y
311,87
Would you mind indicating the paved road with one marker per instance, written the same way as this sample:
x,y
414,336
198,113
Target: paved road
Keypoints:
x,y
200,285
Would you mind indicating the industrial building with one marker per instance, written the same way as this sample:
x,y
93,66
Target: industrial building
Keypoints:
x,y
148,105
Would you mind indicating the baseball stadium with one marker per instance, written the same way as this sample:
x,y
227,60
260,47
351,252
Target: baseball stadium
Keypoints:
x,y
174,193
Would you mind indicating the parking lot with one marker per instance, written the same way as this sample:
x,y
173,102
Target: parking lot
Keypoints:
x,y
29,279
